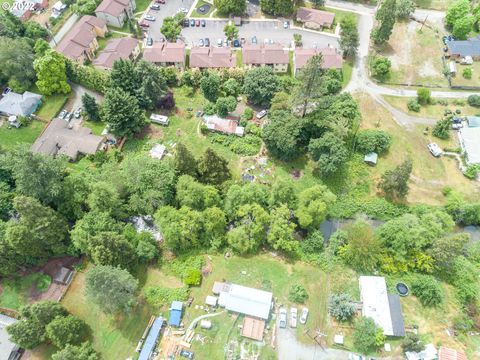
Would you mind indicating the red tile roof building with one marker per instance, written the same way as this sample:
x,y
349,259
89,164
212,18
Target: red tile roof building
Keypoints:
x,y
166,54
211,58
266,55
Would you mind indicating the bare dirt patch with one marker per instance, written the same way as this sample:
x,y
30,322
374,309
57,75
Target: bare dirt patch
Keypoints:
x,y
150,132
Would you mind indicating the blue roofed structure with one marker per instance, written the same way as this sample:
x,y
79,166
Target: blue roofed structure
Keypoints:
x,y
152,338
175,313
462,48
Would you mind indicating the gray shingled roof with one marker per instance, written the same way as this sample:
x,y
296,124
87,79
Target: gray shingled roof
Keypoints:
x,y
470,47
396,315
20,104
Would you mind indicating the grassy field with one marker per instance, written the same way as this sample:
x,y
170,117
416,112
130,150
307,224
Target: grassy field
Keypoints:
x,y
434,111
415,55
347,69
9,137
15,292
459,80
142,5
429,175
51,105
433,4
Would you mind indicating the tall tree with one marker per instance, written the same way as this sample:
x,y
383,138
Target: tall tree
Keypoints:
x,y
82,352
210,85
16,57
386,16
260,85
121,111
277,7
231,31
311,84
349,38
394,183
456,11
171,28
312,206
40,232
230,7
66,330
281,230
111,288
213,168
90,107
196,195
51,73
282,135
185,162
329,152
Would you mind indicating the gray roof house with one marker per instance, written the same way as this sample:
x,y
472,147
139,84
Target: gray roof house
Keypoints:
x,y
60,138
19,104
245,300
462,48
469,141
383,308
8,350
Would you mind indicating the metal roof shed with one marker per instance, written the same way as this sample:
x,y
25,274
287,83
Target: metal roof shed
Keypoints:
x,y
152,338
371,158
469,141
249,301
175,313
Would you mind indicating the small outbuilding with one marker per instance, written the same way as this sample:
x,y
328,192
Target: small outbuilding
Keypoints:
x,y
429,353
371,158
206,324
451,354
159,119
63,276
253,328
338,339
211,300
158,152
175,313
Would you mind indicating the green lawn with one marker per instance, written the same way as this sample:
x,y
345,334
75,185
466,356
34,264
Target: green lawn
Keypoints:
x,y
96,126
51,105
347,69
433,4
15,291
25,134
142,5
196,14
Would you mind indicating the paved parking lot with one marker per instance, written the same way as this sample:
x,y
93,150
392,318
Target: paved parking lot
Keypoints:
x,y
262,29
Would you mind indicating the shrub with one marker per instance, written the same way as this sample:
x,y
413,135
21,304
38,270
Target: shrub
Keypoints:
x,y
373,141
467,73
474,100
341,307
381,68
159,296
192,277
412,342
43,283
472,171
424,96
427,289
247,114
209,108
365,335
442,129
413,105
297,294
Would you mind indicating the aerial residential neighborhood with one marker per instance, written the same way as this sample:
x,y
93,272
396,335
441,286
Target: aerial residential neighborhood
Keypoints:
x,y
240,180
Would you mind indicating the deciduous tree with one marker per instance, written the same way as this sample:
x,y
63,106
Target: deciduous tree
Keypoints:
x,y
231,31
312,206
51,73
281,135
66,330
349,38
82,352
281,229
260,85
230,7
394,183
210,85
329,152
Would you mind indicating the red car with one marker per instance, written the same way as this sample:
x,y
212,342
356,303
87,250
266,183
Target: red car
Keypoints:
x,y
197,23
144,24
160,1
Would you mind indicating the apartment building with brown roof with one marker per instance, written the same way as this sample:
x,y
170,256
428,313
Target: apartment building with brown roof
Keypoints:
x,y
166,54
116,12
332,59
211,58
273,55
116,49
315,19
80,43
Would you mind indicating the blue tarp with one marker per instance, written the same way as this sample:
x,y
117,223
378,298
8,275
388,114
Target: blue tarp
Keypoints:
x,y
152,338
175,313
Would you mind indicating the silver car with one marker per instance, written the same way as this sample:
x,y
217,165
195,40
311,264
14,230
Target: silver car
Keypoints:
x,y
293,317
303,318
282,318
150,18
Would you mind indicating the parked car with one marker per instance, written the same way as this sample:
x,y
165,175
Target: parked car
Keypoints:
x,y
242,40
261,114
219,42
286,24
187,354
354,357
282,317
236,43
201,43
207,42
149,41
266,41
456,120
197,23
155,7
186,23
254,40
457,126
6,91
160,1
467,60
150,18
144,24
203,23
78,113
303,318
192,22
62,114
434,149
69,116
293,317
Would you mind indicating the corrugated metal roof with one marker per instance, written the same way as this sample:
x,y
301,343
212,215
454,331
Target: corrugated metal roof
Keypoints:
x,y
6,346
151,340
396,315
249,301
175,317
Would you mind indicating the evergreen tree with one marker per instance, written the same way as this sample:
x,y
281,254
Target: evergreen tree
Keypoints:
x,y
121,111
386,16
213,168
349,39
184,161
394,183
90,107
310,82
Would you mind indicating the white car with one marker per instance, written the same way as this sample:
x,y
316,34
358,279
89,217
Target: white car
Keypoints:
x,y
286,24
293,317
219,42
261,114
282,318
435,149
150,18
303,318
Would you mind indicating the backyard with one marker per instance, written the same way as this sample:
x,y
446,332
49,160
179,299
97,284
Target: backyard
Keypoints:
x,y
10,137
15,292
415,55
460,80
